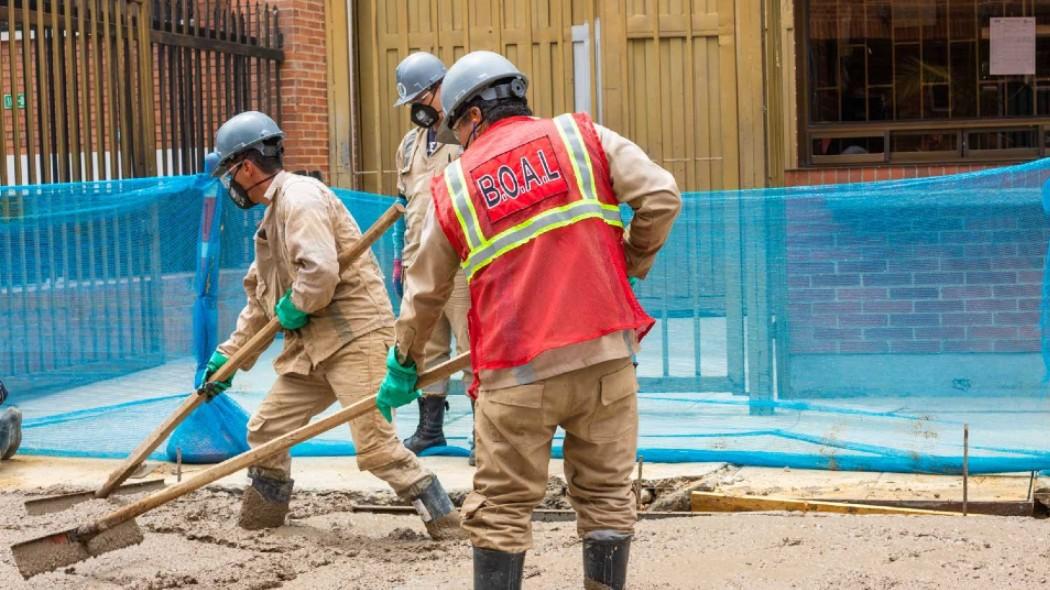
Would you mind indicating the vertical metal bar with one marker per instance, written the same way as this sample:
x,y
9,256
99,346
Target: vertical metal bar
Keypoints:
x,y
96,300
4,180
133,304
27,88
165,164
268,62
131,121
157,286
109,71
110,334
68,291
16,129
98,71
209,82
84,314
277,68
84,87
966,469
43,106
126,135
58,69
27,309
198,98
70,72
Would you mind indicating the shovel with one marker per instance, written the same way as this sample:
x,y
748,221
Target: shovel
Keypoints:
x,y
118,529
256,344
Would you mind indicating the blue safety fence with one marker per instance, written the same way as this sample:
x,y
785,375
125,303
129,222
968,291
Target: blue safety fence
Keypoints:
x,y
837,327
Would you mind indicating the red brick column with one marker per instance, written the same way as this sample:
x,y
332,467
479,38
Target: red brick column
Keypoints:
x,y
304,87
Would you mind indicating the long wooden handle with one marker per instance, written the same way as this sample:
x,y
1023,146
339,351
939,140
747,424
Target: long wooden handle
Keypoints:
x,y
255,345
277,445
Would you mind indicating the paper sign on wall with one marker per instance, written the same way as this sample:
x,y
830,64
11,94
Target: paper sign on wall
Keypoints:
x,y
1013,46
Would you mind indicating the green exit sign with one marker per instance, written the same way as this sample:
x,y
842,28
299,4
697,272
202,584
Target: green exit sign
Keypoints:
x,y
8,102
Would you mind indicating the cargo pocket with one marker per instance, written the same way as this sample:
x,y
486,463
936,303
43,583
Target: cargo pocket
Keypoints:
x,y
510,412
471,505
618,403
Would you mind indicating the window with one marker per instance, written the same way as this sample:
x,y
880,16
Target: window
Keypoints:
x,y
910,80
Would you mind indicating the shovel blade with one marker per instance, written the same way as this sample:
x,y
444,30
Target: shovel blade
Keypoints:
x,y
51,552
50,504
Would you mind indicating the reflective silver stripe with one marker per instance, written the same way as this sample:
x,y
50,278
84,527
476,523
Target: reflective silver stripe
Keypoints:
x,y
541,224
457,189
581,160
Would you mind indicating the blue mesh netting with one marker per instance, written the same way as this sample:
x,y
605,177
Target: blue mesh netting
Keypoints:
x,y
841,327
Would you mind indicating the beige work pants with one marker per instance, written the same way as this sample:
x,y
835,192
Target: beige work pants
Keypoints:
x,y
453,322
352,373
598,408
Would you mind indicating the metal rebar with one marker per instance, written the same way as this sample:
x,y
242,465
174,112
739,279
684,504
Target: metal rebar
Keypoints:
x,y
966,468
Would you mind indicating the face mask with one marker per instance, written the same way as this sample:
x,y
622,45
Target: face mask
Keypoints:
x,y
237,193
424,115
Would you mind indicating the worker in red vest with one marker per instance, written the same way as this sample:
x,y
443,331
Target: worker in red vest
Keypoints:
x,y
531,214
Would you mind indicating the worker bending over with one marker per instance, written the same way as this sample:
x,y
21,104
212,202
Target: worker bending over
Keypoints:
x,y
530,213
337,319
419,158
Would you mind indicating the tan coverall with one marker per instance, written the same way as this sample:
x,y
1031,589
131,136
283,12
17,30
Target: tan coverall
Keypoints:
x,y
341,353
587,388
415,171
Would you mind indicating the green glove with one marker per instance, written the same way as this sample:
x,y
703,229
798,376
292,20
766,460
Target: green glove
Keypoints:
x,y
633,281
399,385
216,361
288,314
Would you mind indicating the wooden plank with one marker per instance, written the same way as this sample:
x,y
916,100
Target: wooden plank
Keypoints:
x,y
716,502
42,105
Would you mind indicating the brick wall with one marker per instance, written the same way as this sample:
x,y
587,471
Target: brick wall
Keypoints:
x,y
304,85
876,278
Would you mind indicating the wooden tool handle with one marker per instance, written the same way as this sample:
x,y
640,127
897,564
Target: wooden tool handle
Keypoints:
x,y
255,345
277,445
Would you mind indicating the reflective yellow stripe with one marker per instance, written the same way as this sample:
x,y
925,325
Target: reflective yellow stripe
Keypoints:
x,y
549,220
483,251
456,183
580,158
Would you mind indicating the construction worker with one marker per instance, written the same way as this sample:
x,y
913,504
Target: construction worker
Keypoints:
x,y
337,319
10,427
419,157
530,212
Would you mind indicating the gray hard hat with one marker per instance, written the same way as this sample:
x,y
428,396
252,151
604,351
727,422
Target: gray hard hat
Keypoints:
x,y
415,74
479,73
245,131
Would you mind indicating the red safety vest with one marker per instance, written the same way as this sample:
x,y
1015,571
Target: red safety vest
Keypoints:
x,y
530,210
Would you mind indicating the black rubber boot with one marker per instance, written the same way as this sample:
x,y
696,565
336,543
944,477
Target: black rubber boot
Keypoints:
x,y
10,432
605,555
497,570
430,432
433,505
265,502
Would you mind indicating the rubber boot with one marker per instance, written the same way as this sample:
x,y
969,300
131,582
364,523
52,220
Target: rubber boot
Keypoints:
x,y
430,431
605,555
497,570
472,460
433,505
10,432
265,502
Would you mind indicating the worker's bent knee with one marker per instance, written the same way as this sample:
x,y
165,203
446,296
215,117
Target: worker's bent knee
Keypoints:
x,y
500,527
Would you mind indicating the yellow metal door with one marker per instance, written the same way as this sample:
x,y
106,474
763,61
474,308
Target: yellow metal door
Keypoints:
x,y
682,78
